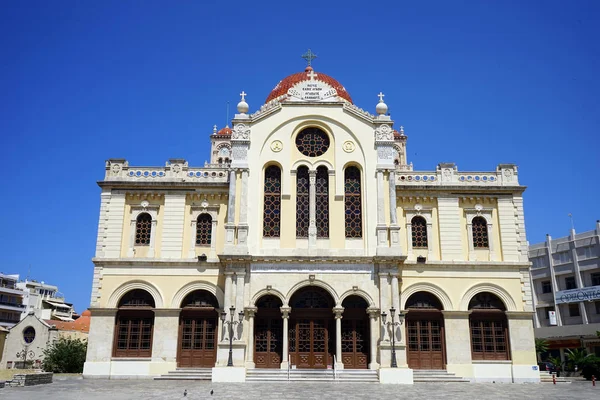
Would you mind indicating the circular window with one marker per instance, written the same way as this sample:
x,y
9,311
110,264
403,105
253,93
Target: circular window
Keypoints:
x,y
29,334
312,142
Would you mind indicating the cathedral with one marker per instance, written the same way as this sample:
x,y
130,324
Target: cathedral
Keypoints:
x,y
309,243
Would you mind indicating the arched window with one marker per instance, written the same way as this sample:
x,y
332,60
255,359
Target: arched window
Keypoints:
x,y
134,325
352,202
203,230
488,327
272,208
480,233
419,232
322,200
302,203
143,229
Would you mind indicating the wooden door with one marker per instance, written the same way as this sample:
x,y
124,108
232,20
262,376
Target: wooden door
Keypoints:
x,y
425,336
197,341
355,342
309,343
268,338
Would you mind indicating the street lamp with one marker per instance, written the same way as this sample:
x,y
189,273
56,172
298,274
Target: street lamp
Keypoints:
x,y
393,325
231,324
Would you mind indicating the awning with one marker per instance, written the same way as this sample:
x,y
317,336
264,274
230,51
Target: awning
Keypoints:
x,y
55,304
63,318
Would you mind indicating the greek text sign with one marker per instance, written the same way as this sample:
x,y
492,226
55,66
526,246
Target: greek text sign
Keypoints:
x,y
591,293
312,91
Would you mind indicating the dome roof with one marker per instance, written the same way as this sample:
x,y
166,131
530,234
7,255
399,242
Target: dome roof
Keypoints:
x,y
290,81
225,131
86,313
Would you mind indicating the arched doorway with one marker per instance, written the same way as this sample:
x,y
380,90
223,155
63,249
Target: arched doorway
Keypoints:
x,y
355,333
311,331
198,330
425,332
134,325
488,328
268,332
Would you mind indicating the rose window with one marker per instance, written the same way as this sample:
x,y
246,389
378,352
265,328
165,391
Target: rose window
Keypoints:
x,y
312,142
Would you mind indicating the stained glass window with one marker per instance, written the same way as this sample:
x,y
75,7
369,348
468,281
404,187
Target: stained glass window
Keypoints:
x,y
322,200
352,191
302,203
419,232
272,207
143,228
312,142
203,230
480,233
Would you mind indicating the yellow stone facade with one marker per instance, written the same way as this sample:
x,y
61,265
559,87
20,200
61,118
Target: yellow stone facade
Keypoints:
x,y
241,267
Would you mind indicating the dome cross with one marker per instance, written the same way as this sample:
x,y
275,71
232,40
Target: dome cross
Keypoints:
x,y
381,96
309,56
243,94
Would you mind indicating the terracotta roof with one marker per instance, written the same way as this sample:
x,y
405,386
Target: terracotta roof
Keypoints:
x,y
81,324
287,83
225,131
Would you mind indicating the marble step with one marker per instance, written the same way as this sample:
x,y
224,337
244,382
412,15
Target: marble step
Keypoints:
x,y
197,374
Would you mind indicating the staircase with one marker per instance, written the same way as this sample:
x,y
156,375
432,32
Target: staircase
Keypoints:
x,y
546,377
435,375
189,374
324,375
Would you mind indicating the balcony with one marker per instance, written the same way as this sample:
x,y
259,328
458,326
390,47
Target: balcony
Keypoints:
x,y
5,305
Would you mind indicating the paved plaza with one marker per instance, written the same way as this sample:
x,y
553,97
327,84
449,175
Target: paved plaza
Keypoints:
x,y
148,389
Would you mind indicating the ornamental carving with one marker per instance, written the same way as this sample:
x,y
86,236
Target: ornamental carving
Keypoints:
x,y
116,168
240,153
240,132
348,146
508,175
276,146
385,153
384,133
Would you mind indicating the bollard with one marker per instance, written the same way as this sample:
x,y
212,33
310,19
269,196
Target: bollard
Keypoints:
x,y
593,380
554,379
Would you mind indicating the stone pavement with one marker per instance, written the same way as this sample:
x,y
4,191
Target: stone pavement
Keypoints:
x,y
149,389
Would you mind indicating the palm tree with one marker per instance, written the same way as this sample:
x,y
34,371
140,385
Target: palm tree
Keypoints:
x,y
541,346
578,357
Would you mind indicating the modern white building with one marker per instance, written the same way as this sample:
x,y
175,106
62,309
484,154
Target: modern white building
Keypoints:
x,y
11,301
298,245
566,287
45,301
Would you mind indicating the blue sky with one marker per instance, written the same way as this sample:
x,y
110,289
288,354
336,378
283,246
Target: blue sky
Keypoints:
x,y
473,82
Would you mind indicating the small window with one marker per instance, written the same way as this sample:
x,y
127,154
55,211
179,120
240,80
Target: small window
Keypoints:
x,y
570,282
546,287
143,229
598,307
419,232
574,310
203,230
29,334
596,279
480,233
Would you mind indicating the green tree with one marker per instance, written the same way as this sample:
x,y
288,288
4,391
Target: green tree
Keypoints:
x,y
65,355
541,346
578,357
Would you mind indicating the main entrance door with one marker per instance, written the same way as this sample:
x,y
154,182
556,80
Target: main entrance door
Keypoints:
x,y
198,331
311,329
355,333
425,332
268,333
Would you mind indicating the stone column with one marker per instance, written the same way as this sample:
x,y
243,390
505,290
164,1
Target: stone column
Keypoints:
x,y
429,242
239,301
395,292
243,221
384,301
522,347
458,342
165,336
470,239
374,336
213,238
100,342
409,249
130,252
227,302
312,209
192,251
490,233
338,337
394,227
285,314
152,238
250,313
230,224
381,226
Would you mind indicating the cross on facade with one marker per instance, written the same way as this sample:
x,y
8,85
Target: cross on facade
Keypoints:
x,y
243,94
381,96
309,56
311,74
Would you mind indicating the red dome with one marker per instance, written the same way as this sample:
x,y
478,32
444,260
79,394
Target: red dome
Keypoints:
x,y
287,83
225,131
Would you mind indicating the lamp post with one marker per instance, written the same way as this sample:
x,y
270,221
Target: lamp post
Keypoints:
x,y
231,324
393,325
